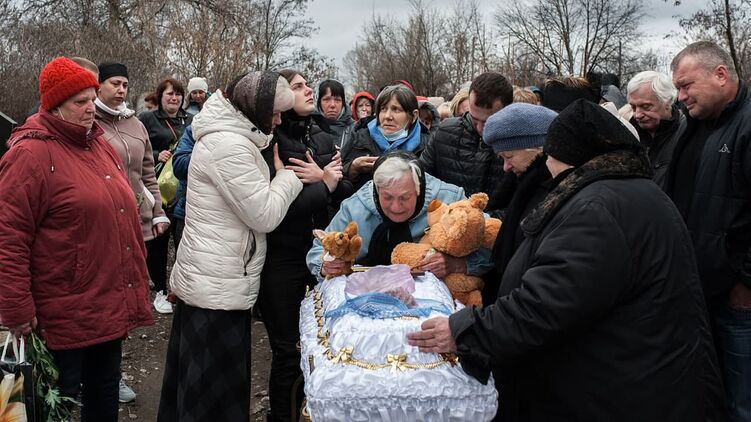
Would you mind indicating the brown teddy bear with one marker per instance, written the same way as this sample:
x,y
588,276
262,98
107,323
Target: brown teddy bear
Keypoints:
x,y
456,229
345,245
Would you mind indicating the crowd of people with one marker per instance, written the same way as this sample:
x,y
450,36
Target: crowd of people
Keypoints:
x,y
619,286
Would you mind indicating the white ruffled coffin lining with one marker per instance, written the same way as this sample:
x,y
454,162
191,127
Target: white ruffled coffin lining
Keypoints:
x,y
345,392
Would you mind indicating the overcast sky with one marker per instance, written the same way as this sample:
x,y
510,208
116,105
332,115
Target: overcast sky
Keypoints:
x,y
340,21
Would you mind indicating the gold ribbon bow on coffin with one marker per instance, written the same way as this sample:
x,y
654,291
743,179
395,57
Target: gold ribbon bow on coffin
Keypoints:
x,y
397,362
344,355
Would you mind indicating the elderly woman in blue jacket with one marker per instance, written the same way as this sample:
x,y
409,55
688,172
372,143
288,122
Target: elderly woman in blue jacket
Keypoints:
x,y
393,208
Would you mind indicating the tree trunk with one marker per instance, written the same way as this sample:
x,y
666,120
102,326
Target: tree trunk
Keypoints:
x,y
731,40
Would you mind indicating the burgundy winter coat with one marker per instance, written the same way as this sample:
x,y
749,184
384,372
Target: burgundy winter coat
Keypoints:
x,y
71,248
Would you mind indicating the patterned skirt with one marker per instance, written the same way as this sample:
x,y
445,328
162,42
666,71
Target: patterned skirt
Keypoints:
x,y
207,373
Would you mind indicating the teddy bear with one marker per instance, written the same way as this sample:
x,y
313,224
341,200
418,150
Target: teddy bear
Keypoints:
x,y
456,229
345,245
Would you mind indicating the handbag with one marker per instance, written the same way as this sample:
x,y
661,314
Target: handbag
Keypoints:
x,y
17,384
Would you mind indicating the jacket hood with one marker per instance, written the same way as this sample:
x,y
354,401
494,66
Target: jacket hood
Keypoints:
x,y
361,94
430,106
218,115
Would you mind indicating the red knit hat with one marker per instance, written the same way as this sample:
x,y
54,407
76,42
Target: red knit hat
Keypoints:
x,y
61,79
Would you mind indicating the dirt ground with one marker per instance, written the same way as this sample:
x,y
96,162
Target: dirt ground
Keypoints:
x,y
143,360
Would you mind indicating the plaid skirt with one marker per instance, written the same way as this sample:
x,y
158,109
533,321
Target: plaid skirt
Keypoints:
x,y
207,373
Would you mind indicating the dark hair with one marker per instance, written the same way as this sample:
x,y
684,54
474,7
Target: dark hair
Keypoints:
x,y
177,86
289,74
490,87
150,97
404,96
333,86
709,55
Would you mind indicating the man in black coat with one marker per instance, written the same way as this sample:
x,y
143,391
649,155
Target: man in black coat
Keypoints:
x,y
600,315
657,118
456,153
710,182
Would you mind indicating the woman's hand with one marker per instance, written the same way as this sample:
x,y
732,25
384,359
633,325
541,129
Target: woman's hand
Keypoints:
x,y
332,268
308,172
164,156
332,173
441,264
363,164
159,229
24,329
278,164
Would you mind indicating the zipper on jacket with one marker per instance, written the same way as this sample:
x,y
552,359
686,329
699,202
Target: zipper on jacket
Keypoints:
x,y
251,252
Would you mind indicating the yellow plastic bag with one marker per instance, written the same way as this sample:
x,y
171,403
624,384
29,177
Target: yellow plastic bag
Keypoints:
x,y
167,183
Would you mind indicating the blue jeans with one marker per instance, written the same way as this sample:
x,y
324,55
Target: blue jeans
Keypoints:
x,y
732,331
97,367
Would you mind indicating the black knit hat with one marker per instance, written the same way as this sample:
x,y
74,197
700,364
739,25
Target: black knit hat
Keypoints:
x,y
109,70
585,130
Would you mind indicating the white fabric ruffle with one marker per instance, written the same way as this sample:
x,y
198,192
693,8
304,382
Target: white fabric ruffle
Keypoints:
x,y
344,392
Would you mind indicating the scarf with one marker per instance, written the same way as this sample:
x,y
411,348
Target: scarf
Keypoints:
x,y
407,143
388,234
121,111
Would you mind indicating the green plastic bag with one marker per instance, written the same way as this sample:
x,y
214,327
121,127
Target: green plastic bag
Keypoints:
x,y
167,183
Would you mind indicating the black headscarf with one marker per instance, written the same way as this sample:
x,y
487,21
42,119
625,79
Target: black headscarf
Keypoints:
x,y
388,234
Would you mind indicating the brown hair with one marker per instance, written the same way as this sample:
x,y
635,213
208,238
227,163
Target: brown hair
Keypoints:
x,y
490,87
576,82
176,85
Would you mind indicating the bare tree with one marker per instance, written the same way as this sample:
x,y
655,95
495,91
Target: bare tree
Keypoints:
x,y
217,39
571,37
729,24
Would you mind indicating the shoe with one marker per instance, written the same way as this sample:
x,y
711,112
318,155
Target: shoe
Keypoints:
x,y
161,304
126,394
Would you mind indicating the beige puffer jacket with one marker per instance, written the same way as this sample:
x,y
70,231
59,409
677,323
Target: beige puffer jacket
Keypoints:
x,y
231,205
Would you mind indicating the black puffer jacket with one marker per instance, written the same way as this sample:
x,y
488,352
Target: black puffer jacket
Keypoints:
x,y
600,316
295,136
164,130
361,144
456,154
660,147
719,219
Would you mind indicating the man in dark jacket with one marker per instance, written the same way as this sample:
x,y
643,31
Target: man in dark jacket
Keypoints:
x,y
657,119
710,182
456,153
600,314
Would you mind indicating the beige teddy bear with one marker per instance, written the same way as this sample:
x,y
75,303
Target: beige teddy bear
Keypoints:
x,y
456,229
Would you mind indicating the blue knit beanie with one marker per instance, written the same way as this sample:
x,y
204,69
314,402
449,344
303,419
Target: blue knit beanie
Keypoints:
x,y
518,126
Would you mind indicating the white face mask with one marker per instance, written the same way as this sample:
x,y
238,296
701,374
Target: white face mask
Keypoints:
x,y
396,135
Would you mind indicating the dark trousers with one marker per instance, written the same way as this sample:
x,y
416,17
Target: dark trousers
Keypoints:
x,y
282,290
97,367
156,261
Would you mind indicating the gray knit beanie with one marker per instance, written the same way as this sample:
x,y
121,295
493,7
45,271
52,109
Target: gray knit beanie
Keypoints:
x,y
518,126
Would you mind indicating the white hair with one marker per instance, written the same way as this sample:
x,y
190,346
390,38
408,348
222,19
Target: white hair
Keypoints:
x,y
661,85
394,169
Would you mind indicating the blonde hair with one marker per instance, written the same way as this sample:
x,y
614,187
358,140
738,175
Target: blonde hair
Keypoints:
x,y
460,97
576,82
524,95
444,109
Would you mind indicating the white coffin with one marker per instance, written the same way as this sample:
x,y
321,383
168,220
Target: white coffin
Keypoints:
x,y
362,369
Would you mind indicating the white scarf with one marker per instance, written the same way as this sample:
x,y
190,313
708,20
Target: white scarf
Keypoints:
x,y
121,111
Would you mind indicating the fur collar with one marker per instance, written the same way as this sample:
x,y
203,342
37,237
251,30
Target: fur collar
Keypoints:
x,y
618,164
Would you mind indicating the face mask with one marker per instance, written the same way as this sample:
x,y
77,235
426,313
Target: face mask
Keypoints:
x,y
394,136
